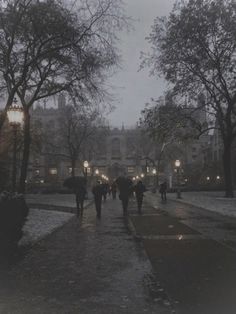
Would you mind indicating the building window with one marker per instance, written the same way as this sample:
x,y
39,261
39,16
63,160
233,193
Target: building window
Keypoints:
x,y
130,169
53,171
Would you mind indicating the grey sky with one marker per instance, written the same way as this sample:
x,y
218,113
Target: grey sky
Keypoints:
x,y
133,88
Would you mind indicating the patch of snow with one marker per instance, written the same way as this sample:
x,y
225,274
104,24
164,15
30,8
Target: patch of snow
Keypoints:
x,y
65,200
40,223
212,201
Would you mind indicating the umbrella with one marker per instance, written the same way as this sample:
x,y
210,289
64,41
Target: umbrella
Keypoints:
x,y
74,182
124,183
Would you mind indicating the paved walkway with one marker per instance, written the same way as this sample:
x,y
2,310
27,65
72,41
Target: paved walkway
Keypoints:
x,y
85,267
193,254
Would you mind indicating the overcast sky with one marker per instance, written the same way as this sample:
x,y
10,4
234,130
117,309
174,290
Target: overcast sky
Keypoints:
x,y
132,88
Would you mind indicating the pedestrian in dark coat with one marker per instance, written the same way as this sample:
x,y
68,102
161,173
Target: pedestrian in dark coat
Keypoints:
x,y
162,190
105,188
139,189
125,190
97,191
80,193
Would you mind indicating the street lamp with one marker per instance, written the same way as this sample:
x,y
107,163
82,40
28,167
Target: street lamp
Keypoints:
x,y
96,172
86,164
15,116
177,165
155,179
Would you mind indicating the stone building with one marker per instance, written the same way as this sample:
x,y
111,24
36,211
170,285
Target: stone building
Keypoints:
x,y
121,152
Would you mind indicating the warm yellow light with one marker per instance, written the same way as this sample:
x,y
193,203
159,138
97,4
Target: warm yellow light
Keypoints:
x,y
86,164
218,177
208,178
177,163
15,114
96,171
142,175
154,171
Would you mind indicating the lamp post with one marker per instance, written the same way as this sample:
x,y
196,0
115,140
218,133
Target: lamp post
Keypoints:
x,y
154,172
15,116
177,165
86,164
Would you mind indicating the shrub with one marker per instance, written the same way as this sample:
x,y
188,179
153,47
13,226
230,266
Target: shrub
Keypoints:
x,y
13,215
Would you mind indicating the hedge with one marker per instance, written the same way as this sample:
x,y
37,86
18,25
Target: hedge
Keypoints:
x,y
13,215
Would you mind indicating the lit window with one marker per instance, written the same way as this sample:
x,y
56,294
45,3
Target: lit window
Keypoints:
x,y
37,171
130,169
53,171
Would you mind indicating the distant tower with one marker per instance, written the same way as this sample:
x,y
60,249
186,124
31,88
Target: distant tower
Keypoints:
x,y
61,101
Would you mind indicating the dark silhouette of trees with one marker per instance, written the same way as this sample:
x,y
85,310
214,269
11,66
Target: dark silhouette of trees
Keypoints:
x,y
195,49
75,135
50,46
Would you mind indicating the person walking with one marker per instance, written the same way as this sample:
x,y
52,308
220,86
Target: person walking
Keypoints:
x,y
125,190
80,193
162,190
97,191
105,188
139,190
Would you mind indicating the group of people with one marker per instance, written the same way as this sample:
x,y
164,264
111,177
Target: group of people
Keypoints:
x,y
100,192
126,190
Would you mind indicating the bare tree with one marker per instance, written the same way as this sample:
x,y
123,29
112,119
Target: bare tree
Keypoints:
x,y
166,126
47,48
195,49
76,134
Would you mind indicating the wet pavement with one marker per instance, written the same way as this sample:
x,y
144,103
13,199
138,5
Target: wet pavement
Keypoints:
x,y
85,267
174,258
193,254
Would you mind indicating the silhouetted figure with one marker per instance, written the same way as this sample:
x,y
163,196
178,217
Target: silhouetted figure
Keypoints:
x,y
162,190
125,190
80,193
139,189
113,190
105,190
97,191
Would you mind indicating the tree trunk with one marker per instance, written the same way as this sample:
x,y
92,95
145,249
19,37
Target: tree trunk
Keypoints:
x,y
2,119
26,152
227,163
